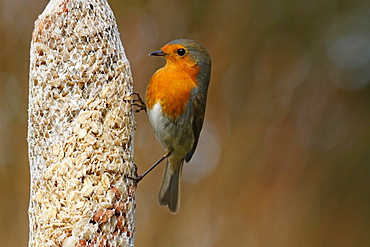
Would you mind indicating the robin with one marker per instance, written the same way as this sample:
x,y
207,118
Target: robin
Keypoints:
x,y
175,103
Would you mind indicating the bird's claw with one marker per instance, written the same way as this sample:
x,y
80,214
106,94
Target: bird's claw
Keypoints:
x,y
138,101
136,179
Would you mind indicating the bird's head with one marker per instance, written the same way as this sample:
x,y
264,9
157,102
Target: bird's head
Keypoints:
x,y
184,52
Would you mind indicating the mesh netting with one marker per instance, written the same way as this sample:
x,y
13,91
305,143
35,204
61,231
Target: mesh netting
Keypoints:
x,y
80,129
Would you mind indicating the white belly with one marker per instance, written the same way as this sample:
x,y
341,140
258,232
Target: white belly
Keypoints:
x,y
177,134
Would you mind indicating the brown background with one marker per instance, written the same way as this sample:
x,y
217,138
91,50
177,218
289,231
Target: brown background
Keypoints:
x,y
284,155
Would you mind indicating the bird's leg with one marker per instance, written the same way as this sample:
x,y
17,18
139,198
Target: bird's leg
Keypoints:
x,y
138,102
140,177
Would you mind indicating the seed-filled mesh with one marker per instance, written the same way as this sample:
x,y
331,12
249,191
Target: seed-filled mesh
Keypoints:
x,y
80,129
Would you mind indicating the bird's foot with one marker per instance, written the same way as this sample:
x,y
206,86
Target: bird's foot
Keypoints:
x,y
136,178
137,101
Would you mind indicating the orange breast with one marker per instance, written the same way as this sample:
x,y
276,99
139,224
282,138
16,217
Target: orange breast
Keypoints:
x,y
170,86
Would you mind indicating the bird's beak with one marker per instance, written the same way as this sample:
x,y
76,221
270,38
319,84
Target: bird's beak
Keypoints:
x,y
157,53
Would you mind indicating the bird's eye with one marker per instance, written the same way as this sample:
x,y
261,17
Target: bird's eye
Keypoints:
x,y
181,52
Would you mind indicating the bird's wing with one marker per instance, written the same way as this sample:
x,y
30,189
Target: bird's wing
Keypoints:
x,y
198,105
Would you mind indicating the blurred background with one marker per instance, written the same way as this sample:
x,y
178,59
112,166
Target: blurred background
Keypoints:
x,y
284,155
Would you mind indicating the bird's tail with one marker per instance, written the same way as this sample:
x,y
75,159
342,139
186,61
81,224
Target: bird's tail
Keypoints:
x,y
169,193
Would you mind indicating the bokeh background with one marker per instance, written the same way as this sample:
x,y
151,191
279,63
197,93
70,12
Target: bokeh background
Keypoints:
x,y
284,156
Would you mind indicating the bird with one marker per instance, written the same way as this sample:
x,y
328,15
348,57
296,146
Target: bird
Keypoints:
x,y
176,99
